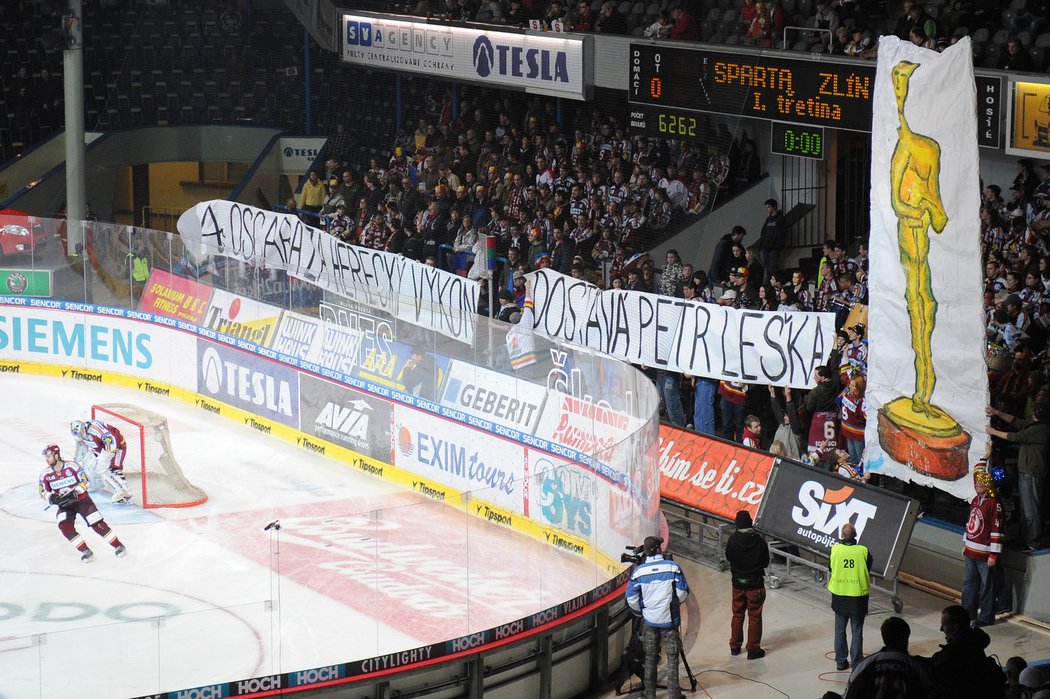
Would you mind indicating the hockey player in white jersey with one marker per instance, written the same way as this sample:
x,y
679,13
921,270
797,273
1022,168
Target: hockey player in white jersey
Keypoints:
x,y
101,449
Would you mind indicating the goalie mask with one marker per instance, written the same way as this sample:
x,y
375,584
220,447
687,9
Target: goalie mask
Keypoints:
x,y
77,429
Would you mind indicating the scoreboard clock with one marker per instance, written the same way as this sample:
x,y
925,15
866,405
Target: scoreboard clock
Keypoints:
x,y
797,90
797,140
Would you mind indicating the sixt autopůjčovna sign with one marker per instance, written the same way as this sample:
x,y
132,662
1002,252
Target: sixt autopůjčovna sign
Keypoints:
x,y
537,63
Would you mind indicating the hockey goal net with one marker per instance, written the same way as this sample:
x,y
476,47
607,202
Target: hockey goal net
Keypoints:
x,y
153,475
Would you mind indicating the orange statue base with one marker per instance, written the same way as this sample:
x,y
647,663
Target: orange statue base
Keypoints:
x,y
942,457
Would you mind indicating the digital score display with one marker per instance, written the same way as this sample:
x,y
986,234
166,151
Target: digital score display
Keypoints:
x,y
797,140
668,123
820,93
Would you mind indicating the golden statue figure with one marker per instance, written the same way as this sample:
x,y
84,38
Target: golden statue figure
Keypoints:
x,y
916,198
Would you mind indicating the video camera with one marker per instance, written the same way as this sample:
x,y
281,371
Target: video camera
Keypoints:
x,y
637,553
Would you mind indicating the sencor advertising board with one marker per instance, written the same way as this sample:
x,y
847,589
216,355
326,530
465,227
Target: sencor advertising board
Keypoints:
x,y
460,457
536,63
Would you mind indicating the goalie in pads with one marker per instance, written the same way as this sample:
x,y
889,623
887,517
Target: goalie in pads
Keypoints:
x,y
101,448
64,483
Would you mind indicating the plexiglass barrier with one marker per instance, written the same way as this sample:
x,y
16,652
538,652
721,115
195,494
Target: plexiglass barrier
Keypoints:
x,y
497,492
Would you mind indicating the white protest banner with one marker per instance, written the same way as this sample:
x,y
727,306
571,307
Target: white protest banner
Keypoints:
x,y
411,291
778,348
927,381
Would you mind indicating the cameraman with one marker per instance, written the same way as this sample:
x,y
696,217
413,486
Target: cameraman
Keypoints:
x,y
655,591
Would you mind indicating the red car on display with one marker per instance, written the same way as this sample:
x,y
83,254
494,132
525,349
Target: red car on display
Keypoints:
x,y
20,234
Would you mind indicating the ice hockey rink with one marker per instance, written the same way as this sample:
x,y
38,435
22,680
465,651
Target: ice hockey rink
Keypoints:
x,y
359,567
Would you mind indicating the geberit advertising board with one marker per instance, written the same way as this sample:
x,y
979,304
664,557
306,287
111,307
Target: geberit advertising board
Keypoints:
x,y
537,63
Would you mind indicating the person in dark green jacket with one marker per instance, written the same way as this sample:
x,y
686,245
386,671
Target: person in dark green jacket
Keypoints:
x,y
1033,438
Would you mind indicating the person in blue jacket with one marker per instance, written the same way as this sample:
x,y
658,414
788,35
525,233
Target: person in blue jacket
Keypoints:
x,y
655,592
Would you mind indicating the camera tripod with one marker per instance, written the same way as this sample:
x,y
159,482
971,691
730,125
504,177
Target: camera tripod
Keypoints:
x,y
632,661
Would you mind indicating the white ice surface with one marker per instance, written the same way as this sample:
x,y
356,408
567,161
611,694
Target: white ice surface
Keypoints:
x,y
363,569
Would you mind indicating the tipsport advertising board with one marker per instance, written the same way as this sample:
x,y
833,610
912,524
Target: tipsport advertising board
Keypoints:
x,y
536,63
348,418
807,506
460,457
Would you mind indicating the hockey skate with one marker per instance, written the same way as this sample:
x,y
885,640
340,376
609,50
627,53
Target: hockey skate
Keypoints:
x,y
121,498
88,556
120,551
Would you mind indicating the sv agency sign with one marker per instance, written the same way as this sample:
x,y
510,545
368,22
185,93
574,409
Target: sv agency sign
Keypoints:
x,y
538,63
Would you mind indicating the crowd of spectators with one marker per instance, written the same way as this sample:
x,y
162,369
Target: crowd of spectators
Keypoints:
x,y
1015,249
590,199
586,199
1005,37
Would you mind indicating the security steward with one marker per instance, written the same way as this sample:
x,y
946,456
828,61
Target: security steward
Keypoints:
x,y
656,590
849,584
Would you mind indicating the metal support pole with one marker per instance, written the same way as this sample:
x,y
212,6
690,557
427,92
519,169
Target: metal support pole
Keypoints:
x,y
475,668
73,89
308,84
397,105
545,660
600,649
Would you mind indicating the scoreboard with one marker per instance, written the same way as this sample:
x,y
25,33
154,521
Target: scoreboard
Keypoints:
x,y
667,79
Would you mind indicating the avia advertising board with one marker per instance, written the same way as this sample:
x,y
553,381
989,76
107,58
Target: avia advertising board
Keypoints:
x,y
493,396
346,417
534,62
716,477
245,380
460,457
807,506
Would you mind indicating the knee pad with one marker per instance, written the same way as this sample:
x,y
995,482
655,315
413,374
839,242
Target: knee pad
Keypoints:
x,y
65,526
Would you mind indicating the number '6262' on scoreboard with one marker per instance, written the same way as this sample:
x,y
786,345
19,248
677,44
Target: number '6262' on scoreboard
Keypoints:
x,y
836,95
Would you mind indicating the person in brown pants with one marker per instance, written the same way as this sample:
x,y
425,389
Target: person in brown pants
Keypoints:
x,y
748,556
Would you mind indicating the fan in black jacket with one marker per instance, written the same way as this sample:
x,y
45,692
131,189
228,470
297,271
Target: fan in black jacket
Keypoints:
x,y
748,556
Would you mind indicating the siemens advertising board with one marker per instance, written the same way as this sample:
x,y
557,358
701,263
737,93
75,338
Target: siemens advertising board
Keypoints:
x,y
535,63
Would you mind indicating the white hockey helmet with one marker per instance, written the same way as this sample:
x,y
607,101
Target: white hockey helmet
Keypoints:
x,y
77,428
